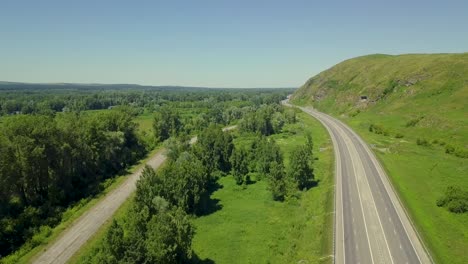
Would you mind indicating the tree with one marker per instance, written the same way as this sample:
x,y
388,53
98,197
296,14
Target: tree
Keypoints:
x,y
240,164
300,167
277,122
169,237
115,240
277,181
214,148
166,123
182,183
266,151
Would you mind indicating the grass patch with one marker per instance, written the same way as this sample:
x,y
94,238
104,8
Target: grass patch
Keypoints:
x,y
252,228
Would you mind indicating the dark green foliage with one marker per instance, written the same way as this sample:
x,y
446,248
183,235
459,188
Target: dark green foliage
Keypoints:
x,y
290,115
50,98
265,152
182,183
267,120
378,129
414,122
277,181
456,151
47,163
390,88
239,164
399,135
214,148
157,229
455,200
300,169
166,124
422,142
175,147
159,233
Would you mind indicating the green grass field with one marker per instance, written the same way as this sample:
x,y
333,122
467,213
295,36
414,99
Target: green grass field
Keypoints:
x,y
252,228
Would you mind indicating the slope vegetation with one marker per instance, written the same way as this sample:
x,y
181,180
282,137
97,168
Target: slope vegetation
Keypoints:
x,y
413,111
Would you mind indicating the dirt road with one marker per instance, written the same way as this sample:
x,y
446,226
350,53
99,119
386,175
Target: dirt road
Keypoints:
x,y
89,223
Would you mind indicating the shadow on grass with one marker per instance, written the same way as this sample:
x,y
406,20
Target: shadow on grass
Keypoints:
x,y
249,181
210,205
311,184
196,260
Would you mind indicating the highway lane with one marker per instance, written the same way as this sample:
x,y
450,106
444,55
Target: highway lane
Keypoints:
x,y
371,226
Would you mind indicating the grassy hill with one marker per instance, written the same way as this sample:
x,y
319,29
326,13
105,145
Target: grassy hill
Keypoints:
x,y
413,110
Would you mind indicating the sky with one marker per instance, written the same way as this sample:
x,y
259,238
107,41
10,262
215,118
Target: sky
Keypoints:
x,y
219,43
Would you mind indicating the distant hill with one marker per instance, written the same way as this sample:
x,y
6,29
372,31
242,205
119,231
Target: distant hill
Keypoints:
x,y
85,86
420,94
16,86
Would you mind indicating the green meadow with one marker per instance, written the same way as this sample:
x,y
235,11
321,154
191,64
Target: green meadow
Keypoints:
x,y
250,227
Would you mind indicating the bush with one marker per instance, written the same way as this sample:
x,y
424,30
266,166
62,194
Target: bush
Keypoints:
x,y
449,149
414,122
41,236
461,153
379,130
455,200
422,142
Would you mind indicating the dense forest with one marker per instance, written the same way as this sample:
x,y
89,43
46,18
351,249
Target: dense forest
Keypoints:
x,y
55,150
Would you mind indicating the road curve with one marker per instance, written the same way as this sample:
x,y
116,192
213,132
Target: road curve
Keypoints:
x,y
371,226
89,223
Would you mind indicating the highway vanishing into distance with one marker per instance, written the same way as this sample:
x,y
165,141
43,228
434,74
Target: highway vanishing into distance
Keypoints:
x,y
371,225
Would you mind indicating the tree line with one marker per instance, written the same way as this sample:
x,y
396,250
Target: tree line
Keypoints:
x,y
48,163
44,99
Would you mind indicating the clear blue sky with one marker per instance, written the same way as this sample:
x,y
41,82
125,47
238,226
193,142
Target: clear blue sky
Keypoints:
x,y
233,43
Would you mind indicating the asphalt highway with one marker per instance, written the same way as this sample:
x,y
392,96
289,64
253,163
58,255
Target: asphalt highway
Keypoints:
x,y
371,225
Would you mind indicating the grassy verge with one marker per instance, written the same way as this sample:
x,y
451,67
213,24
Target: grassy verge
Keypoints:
x,y
252,228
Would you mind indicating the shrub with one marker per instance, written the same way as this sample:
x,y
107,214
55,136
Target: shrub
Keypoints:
x,y
455,200
414,122
422,142
377,129
449,149
461,153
